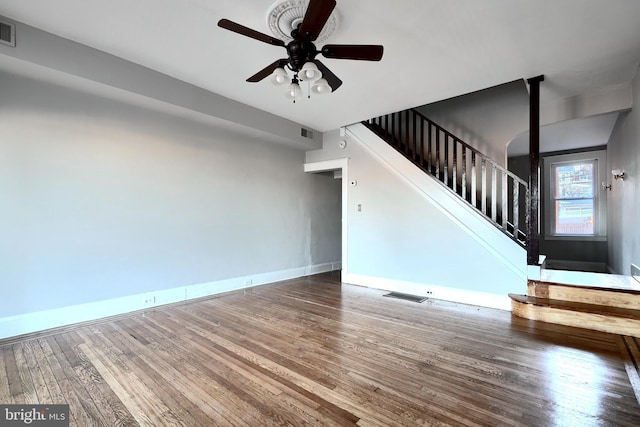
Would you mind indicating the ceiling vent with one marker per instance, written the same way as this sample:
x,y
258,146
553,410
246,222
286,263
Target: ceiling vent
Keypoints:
x,y
8,33
306,133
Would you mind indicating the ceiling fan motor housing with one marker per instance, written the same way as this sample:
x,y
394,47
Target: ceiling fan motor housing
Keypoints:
x,y
300,52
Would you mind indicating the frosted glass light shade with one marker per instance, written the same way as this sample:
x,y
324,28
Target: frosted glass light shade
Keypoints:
x,y
309,72
279,76
293,91
321,87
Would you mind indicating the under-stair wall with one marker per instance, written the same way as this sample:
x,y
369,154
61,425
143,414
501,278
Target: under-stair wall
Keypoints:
x,y
408,233
500,195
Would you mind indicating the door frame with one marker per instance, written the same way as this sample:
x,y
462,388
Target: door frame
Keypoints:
x,y
343,166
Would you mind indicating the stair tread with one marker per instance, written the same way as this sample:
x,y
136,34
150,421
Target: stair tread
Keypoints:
x,y
603,288
577,306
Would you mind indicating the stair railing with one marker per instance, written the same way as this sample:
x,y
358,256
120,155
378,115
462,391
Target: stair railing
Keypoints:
x,y
497,193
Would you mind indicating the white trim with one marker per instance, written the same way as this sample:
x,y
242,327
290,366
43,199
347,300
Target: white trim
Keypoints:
x,y
343,166
482,299
47,319
599,158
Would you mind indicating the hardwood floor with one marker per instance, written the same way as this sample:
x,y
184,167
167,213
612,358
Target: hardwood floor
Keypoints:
x,y
314,352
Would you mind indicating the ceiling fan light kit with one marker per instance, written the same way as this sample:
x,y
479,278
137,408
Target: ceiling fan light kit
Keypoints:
x,y
279,76
309,72
294,91
321,87
319,22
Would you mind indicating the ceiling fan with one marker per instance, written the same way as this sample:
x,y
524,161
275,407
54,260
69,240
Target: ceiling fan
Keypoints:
x,y
302,52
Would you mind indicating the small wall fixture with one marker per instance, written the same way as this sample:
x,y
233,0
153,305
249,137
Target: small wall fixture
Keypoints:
x,y
606,186
618,174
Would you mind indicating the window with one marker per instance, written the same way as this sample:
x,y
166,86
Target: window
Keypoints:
x,y
573,195
574,207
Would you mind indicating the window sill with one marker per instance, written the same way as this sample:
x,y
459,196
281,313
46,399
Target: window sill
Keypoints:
x,y
577,238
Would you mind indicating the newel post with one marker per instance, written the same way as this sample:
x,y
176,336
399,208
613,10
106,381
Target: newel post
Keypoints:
x,y
533,204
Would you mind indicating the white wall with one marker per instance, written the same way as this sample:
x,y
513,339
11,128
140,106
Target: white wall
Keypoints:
x,y
624,198
101,199
400,240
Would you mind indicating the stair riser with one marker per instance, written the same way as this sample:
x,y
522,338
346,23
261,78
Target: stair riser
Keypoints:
x,y
584,295
596,322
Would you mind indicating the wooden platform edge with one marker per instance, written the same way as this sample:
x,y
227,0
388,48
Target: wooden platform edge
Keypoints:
x,y
631,291
588,295
619,322
598,309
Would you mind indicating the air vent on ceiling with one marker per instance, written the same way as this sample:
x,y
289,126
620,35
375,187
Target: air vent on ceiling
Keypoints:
x,y
7,33
306,133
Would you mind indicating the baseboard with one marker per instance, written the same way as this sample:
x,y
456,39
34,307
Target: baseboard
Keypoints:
x,y
42,320
482,299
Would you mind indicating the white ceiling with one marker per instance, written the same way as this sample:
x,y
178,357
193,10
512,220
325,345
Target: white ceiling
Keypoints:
x,y
434,49
568,135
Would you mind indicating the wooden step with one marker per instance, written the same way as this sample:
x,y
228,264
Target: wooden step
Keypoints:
x,y
615,320
585,294
590,288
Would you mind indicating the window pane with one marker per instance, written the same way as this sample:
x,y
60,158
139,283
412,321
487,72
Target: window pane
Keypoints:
x,y
574,216
574,180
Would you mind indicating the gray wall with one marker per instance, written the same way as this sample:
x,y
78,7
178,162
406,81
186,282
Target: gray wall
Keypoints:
x,y
487,120
102,199
624,199
62,60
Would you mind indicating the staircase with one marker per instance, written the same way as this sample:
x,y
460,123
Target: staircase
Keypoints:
x,y
602,302
499,195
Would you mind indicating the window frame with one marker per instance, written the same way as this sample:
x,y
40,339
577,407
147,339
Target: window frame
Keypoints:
x,y
599,158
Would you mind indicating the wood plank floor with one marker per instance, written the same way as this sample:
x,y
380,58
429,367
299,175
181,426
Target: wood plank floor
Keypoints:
x,y
313,352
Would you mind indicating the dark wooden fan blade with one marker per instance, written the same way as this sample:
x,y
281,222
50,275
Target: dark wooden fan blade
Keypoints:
x,y
331,78
362,52
246,31
266,71
316,16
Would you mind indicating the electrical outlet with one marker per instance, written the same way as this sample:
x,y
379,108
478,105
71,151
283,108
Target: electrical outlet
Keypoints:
x,y
149,300
248,282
